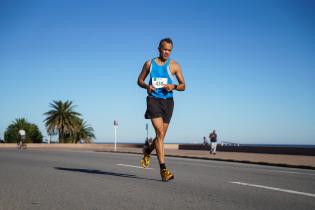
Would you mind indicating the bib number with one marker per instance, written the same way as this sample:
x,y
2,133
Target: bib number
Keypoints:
x,y
158,82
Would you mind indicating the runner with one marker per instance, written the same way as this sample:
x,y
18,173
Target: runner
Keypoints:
x,y
162,72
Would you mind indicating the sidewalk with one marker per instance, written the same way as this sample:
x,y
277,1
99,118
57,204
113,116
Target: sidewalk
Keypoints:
x,y
293,161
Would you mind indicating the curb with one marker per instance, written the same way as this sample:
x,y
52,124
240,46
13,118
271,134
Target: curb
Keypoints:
x,y
226,160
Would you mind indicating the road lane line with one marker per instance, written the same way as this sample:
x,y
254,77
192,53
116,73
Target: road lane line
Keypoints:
x,y
290,172
275,189
275,171
132,166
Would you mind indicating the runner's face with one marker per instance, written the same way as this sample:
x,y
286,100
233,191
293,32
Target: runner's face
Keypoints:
x,y
165,50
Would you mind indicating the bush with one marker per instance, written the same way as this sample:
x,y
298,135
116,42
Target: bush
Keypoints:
x,y
33,134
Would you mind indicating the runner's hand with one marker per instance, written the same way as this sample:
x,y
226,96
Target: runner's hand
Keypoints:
x,y
169,87
150,89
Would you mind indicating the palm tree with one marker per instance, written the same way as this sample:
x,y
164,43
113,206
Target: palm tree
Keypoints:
x,y
20,123
84,132
62,118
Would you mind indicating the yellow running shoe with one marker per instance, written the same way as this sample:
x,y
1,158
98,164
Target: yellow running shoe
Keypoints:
x,y
166,175
145,162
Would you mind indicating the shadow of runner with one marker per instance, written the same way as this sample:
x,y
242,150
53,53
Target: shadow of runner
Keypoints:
x,y
91,171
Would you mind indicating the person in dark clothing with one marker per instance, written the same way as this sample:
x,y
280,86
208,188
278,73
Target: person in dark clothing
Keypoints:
x,y
213,140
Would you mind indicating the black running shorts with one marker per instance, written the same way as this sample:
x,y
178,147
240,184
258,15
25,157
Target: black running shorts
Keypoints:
x,y
158,107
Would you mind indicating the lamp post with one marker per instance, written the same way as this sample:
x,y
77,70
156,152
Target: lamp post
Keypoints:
x,y
147,129
115,133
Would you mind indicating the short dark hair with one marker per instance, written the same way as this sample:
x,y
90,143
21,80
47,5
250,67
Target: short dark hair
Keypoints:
x,y
167,40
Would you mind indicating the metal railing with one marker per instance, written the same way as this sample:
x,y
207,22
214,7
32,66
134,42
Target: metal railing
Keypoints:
x,y
227,143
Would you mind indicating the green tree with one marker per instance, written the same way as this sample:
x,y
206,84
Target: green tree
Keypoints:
x,y
62,118
33,134
84,132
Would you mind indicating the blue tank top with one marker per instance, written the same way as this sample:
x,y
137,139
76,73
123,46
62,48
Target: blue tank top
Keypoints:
x,y
159,76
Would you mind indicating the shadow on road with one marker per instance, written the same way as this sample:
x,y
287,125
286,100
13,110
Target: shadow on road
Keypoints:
x,y
91,171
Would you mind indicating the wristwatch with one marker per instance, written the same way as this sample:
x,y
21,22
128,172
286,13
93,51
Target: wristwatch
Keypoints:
x,y
175,87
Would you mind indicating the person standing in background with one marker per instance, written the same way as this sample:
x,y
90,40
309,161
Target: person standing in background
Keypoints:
x,y
205,142
213,140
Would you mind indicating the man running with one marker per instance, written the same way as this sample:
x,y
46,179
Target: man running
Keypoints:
x,y
162,72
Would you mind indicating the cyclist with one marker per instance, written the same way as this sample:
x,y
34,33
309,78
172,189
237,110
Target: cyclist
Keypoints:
x,y
22,138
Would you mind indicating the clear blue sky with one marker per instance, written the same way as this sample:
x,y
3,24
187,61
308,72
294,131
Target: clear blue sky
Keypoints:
x,y
249,66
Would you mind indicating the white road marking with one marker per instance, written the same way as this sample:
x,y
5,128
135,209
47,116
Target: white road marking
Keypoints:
x,y
133,166
275,171
291,172
275,189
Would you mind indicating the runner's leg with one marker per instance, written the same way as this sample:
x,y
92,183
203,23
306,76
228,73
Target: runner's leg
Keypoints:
x,y
215,148
160,131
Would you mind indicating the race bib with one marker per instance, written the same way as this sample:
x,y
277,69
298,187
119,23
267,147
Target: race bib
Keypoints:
x,y
159,82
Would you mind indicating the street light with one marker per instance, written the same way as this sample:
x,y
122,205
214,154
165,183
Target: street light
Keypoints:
x,y
115,131
147,129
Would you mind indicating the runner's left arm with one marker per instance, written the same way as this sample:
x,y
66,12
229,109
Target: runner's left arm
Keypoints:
x,y
176,69
180,78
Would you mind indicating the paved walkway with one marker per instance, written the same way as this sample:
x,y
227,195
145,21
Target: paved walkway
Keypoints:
x,y
296,161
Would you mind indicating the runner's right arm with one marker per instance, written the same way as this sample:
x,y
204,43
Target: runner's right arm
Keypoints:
x,y
143,74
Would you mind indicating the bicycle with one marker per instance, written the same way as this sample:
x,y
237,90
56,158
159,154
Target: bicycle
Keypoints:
x,y
21,145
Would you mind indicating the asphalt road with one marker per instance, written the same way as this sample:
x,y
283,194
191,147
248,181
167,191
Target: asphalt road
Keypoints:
x,y
39,179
